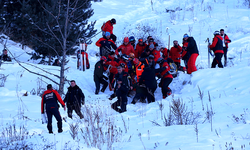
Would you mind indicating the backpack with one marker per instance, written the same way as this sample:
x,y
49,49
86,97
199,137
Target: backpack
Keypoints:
x,y
173,69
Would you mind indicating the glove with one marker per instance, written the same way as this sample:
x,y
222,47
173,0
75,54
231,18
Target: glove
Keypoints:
x,y
44,119
119,50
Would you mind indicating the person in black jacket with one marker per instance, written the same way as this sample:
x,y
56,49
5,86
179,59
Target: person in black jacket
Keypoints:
x,y
50,98
5,56
148,78
123,84
98,75
56,63
194,53
74,98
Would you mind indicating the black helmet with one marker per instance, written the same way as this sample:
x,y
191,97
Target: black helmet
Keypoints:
x,y
113,21
160,60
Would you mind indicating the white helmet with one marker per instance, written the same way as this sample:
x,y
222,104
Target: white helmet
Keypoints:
x,y
216,32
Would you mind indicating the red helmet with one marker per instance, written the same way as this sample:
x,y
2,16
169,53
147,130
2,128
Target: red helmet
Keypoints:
x,y
136,61
103,58
126,40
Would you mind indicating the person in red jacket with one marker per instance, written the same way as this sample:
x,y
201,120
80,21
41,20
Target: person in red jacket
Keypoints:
x,y
192,49
108,27
125,48
225,42
175,53
50,98
164,52
113,63
105,44
217,47
124,62
140,47
166,77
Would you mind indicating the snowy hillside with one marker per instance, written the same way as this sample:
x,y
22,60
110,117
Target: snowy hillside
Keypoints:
x,y
215,103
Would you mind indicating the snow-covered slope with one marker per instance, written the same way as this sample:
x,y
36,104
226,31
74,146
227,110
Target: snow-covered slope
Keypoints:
x,y
222,116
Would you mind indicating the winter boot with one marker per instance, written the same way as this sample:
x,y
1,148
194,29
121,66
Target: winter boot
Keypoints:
x,y
49,127
59,125
96,92
104,87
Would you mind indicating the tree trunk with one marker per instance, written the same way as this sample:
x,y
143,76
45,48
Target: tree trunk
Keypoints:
x,y
61,85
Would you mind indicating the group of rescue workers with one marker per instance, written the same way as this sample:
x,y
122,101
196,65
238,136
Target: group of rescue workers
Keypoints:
x,y
133,68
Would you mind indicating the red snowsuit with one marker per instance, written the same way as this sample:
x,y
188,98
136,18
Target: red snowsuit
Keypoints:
x,y
194,53
175,54
107,27
125,49
139,50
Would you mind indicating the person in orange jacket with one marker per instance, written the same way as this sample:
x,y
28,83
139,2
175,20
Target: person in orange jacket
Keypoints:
x,y
108,27
174,53
217,47
105,44
125,48
140,47
50,98
225,42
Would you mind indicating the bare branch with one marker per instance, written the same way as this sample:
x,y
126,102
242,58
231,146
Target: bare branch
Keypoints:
x,y
30,70
41,69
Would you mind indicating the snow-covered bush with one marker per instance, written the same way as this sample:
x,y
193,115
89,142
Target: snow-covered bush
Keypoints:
x,y
99,129
145,29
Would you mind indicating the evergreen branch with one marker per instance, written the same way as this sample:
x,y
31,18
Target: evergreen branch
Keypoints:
x,y
56,18
54,34
48,46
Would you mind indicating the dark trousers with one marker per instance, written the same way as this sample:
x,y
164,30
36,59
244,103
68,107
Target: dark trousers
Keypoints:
x,y
122,101
150,95
217,60
165,84
50,111
98,83
225,55
113,37
111,77
139,96
76,107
